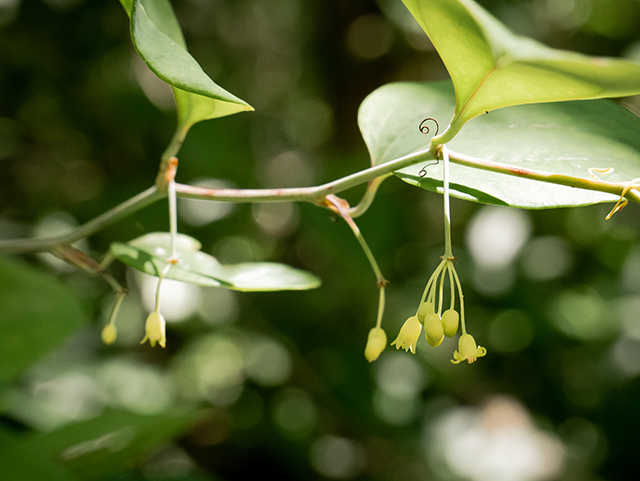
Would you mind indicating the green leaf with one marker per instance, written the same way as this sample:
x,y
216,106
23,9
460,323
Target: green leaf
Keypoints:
x,y
110,443
492,68
150,252
158,40
38,314
565,138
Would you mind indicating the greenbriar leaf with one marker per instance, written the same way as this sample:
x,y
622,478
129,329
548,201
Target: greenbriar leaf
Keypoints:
x,y
108,444
565,138
38,314
150,252
492,68
158,40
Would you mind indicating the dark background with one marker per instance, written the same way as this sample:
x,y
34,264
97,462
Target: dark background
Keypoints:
x,y
278,380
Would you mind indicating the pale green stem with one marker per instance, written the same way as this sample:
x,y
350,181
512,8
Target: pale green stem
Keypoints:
x,y
151,195
356,231
307,194
380,280
173,219
451,285
616,188
368,197
462,323
441,292
448,252
315,194
426,295
174,146
160,278
128,207
114,313
380,307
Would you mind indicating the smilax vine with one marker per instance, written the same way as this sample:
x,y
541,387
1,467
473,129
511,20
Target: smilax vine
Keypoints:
x,y
524,97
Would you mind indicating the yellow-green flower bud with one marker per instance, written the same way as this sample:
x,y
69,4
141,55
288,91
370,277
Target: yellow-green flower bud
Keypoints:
x,y
450,319
409,334
155,330
109,334
376,342
433,329
467,350
424,309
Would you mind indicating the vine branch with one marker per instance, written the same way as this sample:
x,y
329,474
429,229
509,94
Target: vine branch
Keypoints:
x,y
615,188
315,194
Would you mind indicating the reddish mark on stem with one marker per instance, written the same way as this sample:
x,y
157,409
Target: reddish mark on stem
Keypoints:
x,y
172,168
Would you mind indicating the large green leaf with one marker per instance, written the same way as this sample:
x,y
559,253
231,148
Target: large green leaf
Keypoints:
x,y
108,444
158,40
150,252
492,68
38,313
563,138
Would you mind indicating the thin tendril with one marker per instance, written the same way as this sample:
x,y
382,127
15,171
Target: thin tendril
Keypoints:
x,y
424,129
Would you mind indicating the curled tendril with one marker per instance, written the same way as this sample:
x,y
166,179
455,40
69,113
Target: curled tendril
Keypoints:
x,y
423,171
622,202
424,129
604,171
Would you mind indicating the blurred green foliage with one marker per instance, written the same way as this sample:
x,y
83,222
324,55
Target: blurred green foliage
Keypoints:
x,y
255,383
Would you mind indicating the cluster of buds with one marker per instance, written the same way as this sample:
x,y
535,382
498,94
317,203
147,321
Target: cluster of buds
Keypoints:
x,y
438,324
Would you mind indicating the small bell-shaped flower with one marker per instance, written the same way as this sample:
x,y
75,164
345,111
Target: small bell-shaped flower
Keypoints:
x,y
109,333
155,330
376,342
467,350
424,309
433,329
409,334
450,320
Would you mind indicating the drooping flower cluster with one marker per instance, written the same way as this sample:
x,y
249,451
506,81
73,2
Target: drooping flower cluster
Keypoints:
x,y
438,324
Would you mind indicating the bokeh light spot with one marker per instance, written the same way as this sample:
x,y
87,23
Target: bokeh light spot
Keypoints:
x,y
496,234
337,457
268,362
583,315
510,331
369,36
202,212
546,258
295,412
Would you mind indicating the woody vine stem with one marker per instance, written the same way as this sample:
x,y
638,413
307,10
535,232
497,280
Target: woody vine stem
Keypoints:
x,y
437,324
316,194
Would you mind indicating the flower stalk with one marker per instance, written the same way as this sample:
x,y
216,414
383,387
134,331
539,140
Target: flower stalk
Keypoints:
x,y
377,339
431,314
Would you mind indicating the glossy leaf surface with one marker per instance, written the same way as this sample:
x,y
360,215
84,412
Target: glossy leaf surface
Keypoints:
x,y
150,252
492,68
563,138
158,40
